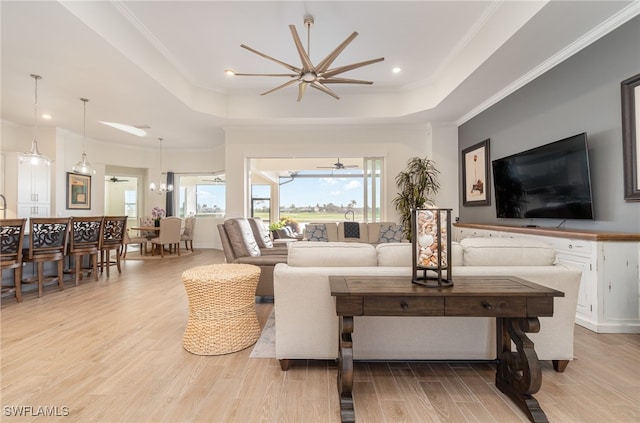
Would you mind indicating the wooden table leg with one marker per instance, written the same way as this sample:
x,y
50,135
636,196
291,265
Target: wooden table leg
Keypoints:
x,y
518,374
345,370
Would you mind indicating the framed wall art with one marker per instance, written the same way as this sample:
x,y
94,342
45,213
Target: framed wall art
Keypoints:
x,y
630,90
78,191
475,175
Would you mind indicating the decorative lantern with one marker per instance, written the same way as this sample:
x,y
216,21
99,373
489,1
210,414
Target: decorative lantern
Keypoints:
x,y
430,234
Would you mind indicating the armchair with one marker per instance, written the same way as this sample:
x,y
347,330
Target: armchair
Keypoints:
x,y
240,246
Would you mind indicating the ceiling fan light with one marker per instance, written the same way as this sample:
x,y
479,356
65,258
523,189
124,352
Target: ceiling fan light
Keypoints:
x,y
309,77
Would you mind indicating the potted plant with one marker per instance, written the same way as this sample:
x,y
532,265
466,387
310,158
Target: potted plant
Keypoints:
x,y
416,184
274,229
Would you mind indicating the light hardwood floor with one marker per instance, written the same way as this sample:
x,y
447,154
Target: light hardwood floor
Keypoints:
x,y
111,351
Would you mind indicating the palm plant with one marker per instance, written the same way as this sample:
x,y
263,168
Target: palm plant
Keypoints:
x,y
416,184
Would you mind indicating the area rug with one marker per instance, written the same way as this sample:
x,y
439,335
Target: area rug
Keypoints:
x,y
266,345
135,255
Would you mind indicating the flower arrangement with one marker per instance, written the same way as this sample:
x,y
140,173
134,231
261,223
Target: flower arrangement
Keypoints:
x,y
158,213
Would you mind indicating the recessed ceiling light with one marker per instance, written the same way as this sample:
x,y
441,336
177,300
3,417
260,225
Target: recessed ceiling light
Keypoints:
x,y
126,128
229,72
46,116
396,70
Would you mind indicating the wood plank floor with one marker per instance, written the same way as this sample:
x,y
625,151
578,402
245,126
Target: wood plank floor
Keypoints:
x,y
111,351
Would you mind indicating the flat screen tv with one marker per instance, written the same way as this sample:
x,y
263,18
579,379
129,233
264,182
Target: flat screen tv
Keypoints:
x,y
551,181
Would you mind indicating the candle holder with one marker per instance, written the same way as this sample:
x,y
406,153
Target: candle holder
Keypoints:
x,y
430,236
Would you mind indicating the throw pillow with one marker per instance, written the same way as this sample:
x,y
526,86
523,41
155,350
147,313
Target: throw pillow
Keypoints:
x,y
317,232
390,233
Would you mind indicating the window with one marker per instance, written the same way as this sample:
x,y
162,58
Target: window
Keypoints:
x,y
131,204
201,195
261,202
332,196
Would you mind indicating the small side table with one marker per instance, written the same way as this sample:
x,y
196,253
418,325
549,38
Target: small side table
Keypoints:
x,y
222,309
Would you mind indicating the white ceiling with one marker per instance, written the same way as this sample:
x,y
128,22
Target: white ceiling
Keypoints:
x,y
161,63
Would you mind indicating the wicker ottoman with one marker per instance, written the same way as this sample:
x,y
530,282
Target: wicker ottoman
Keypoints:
x,y
222,309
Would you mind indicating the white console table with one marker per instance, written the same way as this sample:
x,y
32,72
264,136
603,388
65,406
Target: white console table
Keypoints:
x,y
608,300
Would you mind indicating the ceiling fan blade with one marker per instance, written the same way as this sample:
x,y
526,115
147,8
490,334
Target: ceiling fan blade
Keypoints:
x,y
341,69
292,75
327,61
286,84
286,65
319,86
344,81
304,57
301,89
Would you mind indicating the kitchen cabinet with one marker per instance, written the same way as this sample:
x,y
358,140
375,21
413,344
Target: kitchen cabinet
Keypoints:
x,y
27,188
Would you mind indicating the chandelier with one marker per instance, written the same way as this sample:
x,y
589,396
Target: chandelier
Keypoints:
x,y
34,156
83,166
163,187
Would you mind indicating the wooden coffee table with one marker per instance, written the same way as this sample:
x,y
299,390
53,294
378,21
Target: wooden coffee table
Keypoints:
x,y
514,302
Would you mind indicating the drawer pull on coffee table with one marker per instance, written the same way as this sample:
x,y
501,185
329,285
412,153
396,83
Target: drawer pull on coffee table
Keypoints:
x,y
487,305
404,305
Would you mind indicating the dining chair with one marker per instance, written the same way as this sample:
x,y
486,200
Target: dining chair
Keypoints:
x,y
113,231
169,235
48,237
12,236
138,239
187,234
147,221
86,234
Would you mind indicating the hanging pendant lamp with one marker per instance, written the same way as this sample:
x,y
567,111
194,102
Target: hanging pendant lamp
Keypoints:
x,y
163,187
34,156
83,166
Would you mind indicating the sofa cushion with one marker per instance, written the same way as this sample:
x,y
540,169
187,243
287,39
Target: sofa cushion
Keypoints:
x,y
260,232
506,252
456,254
241,237
343,236
394,254
390,232
317,232
331,254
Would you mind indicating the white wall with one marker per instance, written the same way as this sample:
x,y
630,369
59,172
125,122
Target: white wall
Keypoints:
x,y
65,148
397,144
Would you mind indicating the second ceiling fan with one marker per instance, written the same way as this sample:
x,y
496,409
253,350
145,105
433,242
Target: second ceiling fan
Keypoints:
x,y
316,76
338,166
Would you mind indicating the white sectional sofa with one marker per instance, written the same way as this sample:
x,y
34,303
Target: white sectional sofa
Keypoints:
x,y
307,325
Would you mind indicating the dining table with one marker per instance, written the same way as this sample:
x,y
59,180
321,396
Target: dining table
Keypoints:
x,y
146,228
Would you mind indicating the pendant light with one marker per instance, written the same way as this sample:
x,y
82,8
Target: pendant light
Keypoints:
x,y
34,156
83,166
163,187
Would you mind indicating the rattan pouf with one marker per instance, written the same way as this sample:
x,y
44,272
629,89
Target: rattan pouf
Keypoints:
x,y
222,308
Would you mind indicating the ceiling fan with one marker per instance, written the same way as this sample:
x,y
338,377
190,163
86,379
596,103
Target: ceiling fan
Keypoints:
x,y
217,180
337,166
317,76
114,179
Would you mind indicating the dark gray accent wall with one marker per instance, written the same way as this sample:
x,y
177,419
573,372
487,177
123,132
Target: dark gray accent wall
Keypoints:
x,y
581,94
